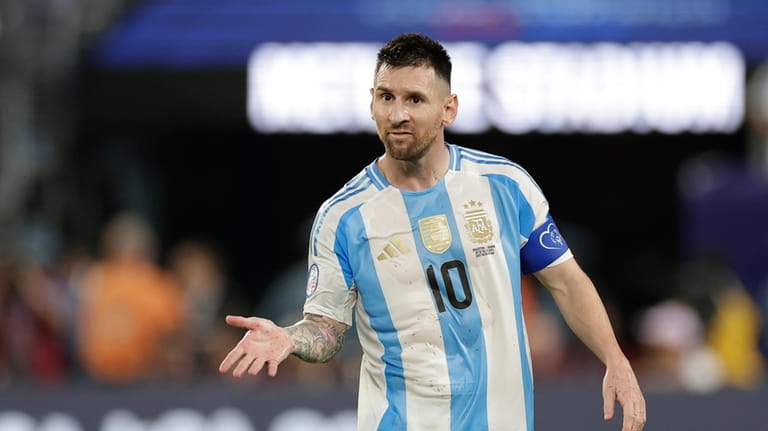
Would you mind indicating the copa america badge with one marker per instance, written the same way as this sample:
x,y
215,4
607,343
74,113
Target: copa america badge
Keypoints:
x,y
312,276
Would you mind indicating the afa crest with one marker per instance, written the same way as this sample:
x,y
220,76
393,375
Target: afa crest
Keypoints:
x,y
477,223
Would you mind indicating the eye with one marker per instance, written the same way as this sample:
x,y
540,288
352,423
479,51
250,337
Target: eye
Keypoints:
x,y
416,99
386,96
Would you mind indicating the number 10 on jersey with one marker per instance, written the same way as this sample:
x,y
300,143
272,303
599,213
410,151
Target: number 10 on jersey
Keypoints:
x,y
452,272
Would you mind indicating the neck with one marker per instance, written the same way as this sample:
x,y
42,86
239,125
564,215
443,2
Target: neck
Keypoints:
x,y
416,175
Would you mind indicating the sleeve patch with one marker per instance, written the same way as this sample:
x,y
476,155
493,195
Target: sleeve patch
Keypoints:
x,y
312,277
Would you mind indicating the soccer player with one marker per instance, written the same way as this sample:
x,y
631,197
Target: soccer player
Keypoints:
x,y
425,248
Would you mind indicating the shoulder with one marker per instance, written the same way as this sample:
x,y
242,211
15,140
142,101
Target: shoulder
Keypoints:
x,y
355,192
470,160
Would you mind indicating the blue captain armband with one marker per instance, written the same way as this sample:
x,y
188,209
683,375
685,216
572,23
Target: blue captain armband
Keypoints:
x,y
544,246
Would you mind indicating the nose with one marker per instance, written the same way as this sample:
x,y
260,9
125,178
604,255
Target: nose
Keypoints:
x,y
398,113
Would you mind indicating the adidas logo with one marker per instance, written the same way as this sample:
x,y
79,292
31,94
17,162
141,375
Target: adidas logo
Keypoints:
x,y
394,248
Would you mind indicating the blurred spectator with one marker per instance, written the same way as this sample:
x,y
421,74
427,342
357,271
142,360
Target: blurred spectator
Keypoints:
x,y
734,334
30,347
129,307
35,309
37,324
209,295
731,318
674,355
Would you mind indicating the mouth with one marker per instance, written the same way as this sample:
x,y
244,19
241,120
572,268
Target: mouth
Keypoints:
x,y
399,133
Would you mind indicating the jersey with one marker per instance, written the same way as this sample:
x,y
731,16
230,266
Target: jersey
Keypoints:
x,y
432,280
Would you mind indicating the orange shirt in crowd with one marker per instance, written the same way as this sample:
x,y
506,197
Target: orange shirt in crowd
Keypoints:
x,y
128,308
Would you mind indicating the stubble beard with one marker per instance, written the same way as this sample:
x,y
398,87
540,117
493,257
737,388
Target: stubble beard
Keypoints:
x,y
411,150
406,152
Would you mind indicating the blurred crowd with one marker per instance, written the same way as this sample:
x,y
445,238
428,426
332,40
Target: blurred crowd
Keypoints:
x,y
117,316
124,315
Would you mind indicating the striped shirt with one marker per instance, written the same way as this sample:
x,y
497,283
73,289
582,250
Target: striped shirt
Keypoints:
x,y
433,281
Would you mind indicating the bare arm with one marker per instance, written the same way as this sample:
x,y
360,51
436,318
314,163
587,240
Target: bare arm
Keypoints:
x,y
313,339
583,310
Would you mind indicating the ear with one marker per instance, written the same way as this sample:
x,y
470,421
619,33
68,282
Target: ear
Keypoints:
x,y
370,107
450,109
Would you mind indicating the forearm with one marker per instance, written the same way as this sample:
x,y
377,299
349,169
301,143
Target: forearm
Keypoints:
x,y
583,310
316,338
588,319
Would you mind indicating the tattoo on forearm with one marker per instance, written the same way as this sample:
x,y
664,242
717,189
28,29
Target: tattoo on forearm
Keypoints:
x,y
317,338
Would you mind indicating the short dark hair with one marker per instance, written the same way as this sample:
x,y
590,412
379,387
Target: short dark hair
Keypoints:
x,y
414,49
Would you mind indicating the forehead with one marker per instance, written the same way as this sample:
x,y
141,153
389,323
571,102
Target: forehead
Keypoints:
x,y
409,79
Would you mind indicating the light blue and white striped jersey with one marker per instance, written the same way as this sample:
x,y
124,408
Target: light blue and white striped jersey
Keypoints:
x,y
433,279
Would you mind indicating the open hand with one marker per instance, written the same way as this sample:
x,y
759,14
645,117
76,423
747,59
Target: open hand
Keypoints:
x,y
263,343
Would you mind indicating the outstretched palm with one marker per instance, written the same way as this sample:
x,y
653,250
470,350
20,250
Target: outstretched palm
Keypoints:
x,y
263,343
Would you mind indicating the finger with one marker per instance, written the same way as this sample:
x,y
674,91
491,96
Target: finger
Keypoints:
x,y
255,367
243,365
272,368
642,418
635,418
609,404
630,422
233,356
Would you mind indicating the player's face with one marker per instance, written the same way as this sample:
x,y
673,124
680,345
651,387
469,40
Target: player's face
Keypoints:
x,y
410,106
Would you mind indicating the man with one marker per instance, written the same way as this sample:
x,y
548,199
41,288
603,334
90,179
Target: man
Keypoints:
x,y
425,246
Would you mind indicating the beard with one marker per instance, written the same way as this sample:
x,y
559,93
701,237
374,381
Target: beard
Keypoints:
x,y
406,150
410,148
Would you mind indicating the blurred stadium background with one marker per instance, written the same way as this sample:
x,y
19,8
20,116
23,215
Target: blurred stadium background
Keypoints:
x,y
199,137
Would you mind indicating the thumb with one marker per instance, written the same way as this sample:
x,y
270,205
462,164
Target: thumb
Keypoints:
x,y
240,322
609,403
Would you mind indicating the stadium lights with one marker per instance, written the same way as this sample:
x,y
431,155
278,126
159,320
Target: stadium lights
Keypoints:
x,y
514,87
